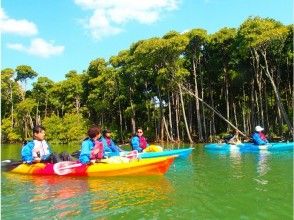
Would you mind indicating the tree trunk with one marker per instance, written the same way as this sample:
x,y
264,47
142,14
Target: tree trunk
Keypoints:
x,y
11,100
78,104
215,111
161,128
257,107
120,122
213,130
177,117
235,114
37,115
133,117
279,101
184,115
252,106
170,117
166,129
227,97
259,86
202,108
243,111
199,126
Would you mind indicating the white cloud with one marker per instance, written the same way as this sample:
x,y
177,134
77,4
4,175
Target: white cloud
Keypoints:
x,y
109,15
38,47
19,27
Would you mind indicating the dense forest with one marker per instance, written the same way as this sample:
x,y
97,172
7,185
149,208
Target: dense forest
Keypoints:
x,y
182,87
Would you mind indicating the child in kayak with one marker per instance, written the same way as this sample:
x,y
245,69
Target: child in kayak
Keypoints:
x,y
38,149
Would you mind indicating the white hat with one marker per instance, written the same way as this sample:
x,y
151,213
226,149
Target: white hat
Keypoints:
x,y
258,128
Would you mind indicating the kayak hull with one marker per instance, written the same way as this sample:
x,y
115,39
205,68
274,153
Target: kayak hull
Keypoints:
x,y
250,147
152,166
181,153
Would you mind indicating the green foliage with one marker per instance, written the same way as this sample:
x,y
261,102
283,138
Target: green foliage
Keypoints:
x,y
25,72
8,133
70,128
140,84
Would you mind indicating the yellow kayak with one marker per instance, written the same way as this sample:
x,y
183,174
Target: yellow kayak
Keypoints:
x,y
107,167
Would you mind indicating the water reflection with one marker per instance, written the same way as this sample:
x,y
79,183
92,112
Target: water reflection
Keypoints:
x,y
262,164
262,169
53,195
119,195
72,197
235,156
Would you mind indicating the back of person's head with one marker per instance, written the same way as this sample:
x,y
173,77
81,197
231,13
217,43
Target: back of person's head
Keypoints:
x,y
37,129
94,131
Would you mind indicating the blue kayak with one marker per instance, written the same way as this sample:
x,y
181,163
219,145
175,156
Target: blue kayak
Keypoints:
x,y
250,147
182,153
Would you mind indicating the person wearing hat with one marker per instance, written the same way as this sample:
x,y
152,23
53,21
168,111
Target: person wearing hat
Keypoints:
x,y
110,148
258,136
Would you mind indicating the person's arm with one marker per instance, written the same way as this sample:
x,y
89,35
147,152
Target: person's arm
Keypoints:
x,y
135,142
85,152
27,152
105,145
115,147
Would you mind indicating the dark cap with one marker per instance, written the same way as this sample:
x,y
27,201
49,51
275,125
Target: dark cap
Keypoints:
x,y
106,131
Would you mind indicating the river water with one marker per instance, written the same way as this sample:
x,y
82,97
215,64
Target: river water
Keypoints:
x,y
207,185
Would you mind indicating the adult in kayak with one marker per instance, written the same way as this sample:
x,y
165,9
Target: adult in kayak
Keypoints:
x,y
110,148
92,148
258,136
38,150
138,141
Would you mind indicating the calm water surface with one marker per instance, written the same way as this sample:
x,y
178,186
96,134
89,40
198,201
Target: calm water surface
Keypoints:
x,y
207,185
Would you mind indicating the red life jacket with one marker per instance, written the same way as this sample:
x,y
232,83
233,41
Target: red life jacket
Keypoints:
x,y
262,136
97,151
143,142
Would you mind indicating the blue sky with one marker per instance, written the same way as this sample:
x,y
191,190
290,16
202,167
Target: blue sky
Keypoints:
x,y
56,36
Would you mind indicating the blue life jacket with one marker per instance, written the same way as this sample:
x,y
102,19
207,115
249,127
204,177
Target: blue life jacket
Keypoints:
x,y
27,152
257,139
87,146
135,143
110,150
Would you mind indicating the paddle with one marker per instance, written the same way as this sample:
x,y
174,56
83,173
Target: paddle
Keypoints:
x,y
130,155
8,165
65,167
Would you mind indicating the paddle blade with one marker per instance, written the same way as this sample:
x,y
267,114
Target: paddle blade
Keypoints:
x,y
65,167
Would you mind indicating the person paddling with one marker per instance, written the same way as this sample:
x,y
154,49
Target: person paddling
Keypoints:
x,y
258,136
